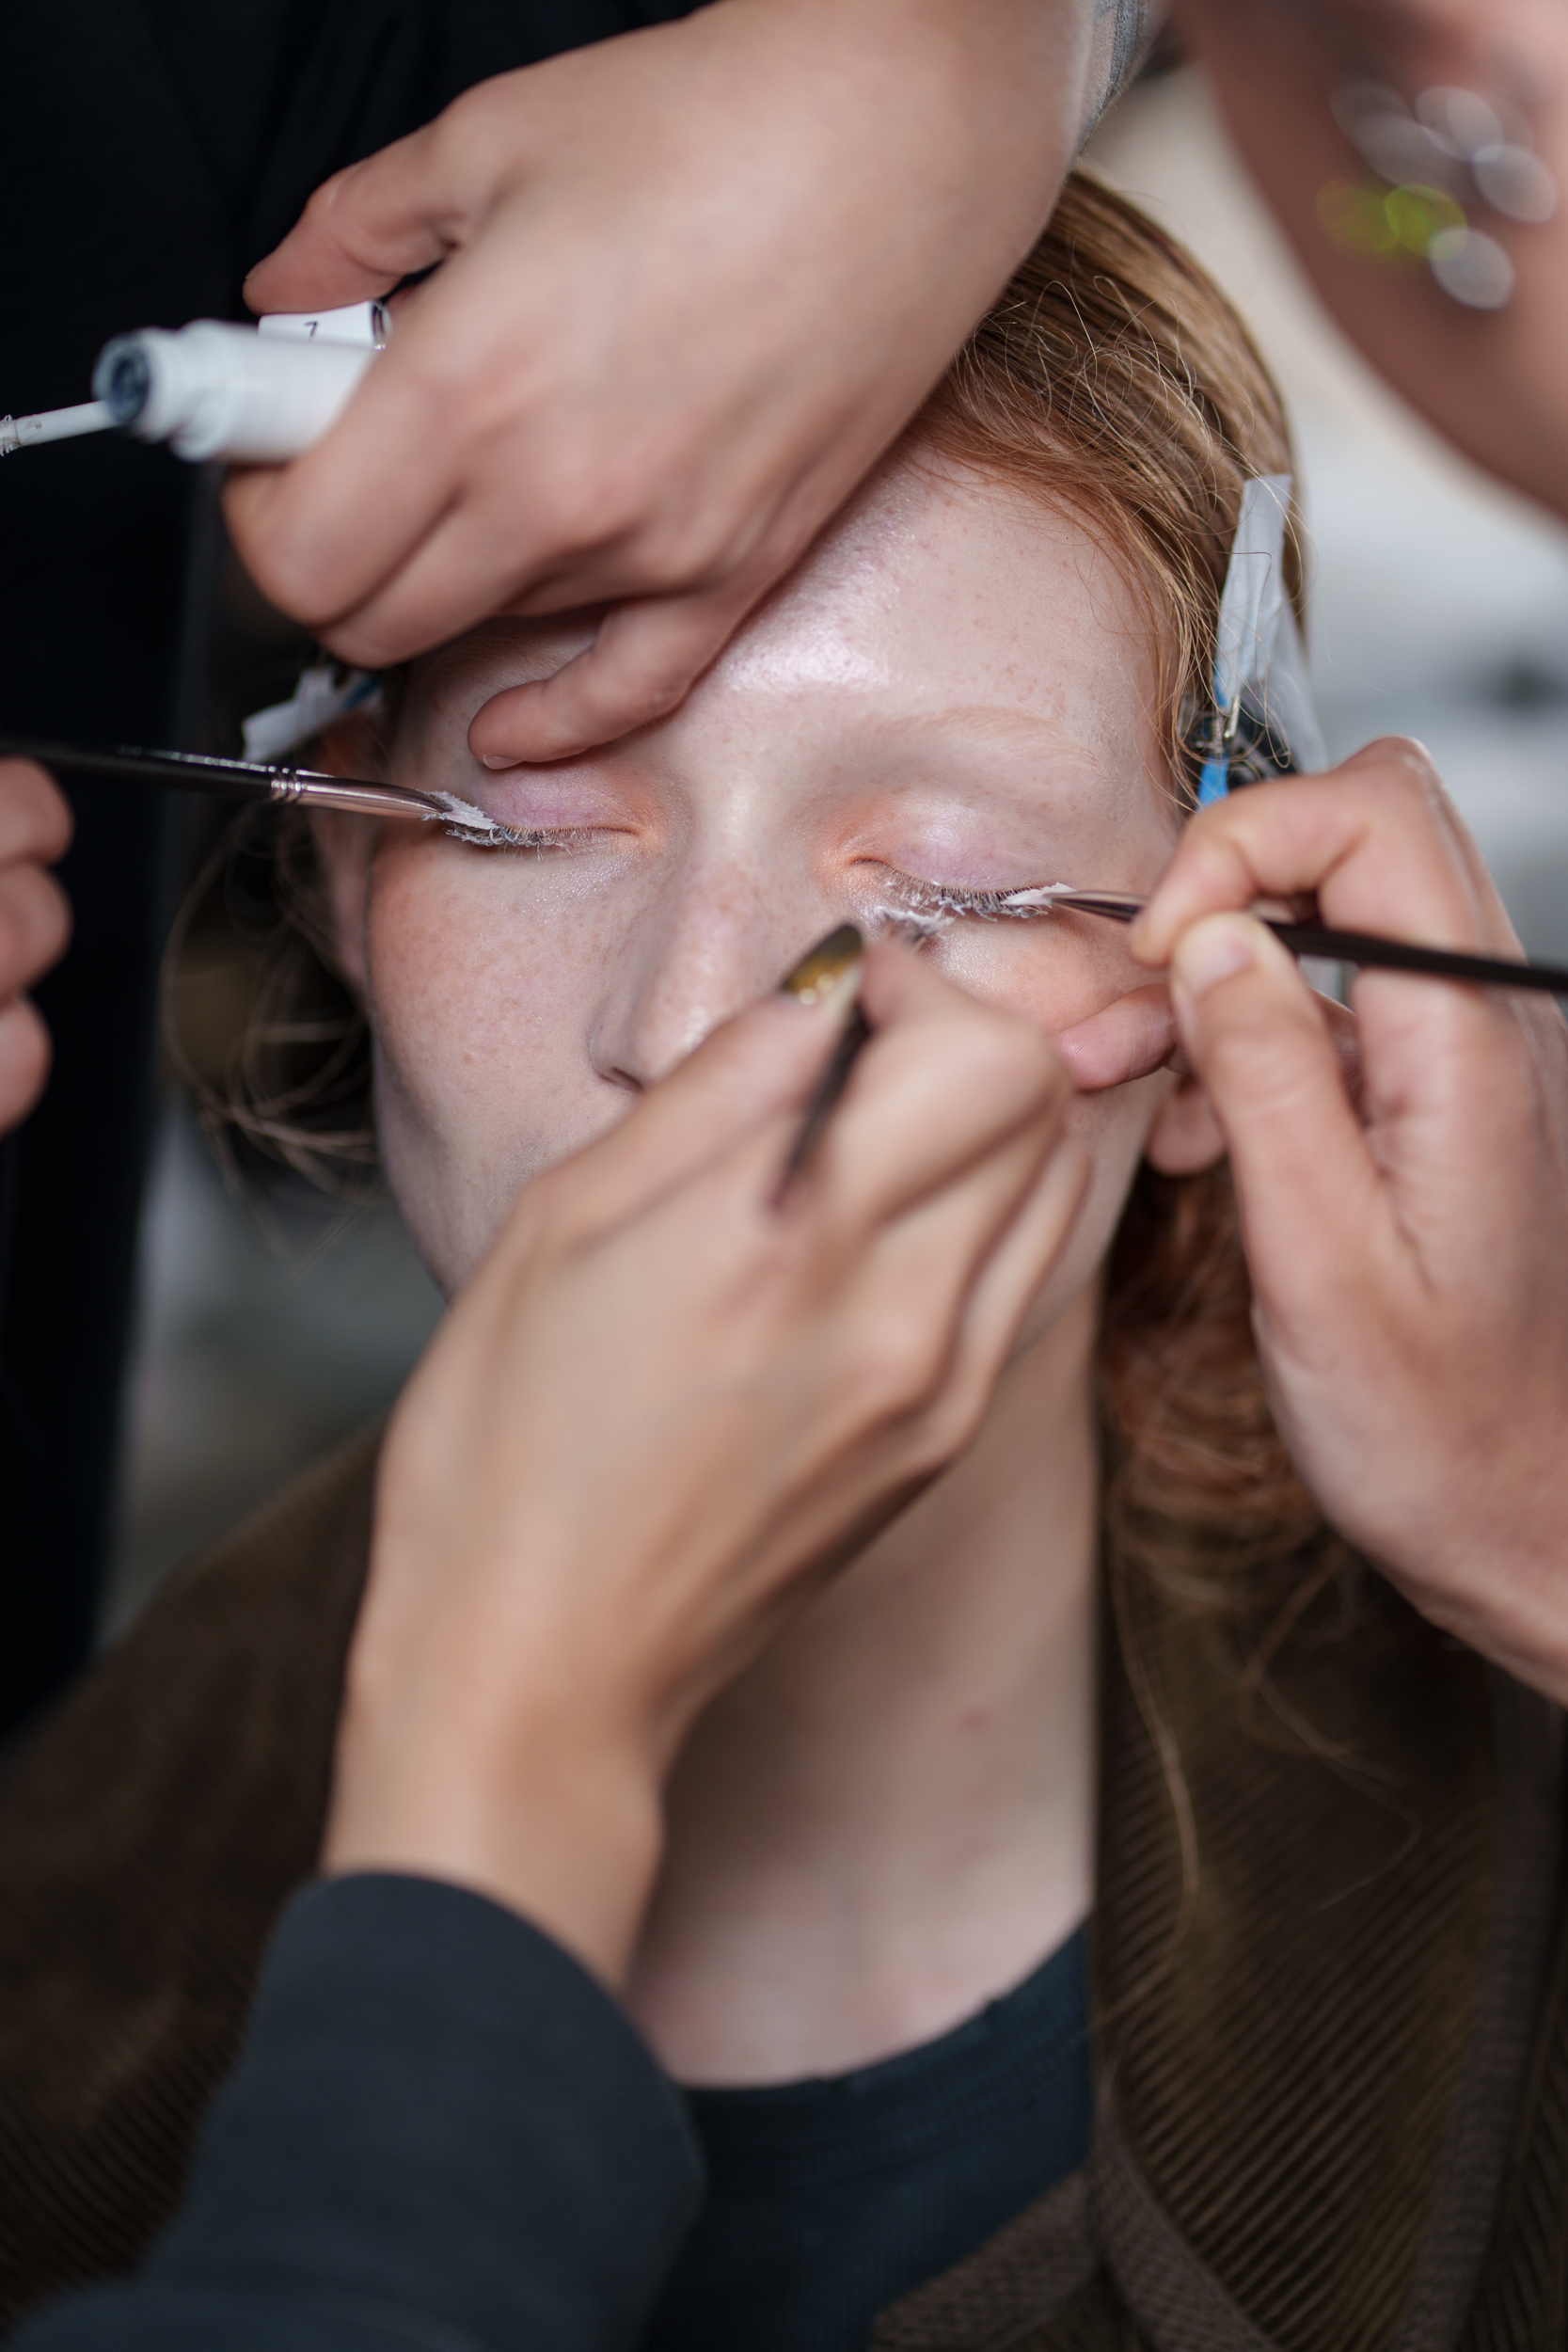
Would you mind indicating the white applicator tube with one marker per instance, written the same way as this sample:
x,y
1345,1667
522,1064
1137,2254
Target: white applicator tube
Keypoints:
x,y
214,391
55,424
248,395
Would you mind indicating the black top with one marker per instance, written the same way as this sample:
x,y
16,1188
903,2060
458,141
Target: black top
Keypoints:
x,y
830,2199
443,2136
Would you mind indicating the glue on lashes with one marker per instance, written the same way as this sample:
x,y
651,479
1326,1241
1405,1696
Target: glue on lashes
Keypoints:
x,y
251,395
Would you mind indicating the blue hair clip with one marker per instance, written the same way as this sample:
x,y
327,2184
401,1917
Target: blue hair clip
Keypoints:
x,y
1213,780
1261,721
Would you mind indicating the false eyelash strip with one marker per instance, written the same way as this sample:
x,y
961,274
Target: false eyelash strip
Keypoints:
x,y
464,821
935,905
913,927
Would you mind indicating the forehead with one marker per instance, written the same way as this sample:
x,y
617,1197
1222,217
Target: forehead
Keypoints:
x,y
937,595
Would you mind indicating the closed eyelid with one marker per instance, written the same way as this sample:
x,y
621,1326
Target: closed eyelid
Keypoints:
x,y
474,817
499,837
916,896
471,820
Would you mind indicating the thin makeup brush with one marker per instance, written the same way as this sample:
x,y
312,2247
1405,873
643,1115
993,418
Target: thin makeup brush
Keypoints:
x,y
828,972
231,779
254,780
1368,948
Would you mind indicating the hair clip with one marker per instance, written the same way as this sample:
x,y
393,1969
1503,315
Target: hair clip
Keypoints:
x,y
322,693
1260,720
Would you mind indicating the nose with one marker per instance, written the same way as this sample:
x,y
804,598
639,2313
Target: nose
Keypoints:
x,y
710,943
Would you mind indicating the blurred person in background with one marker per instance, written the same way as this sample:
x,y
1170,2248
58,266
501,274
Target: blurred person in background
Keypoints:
x,y
1416,152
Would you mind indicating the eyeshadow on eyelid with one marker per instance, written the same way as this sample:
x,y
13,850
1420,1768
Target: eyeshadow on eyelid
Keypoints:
x,y
995,860
545,804
464,823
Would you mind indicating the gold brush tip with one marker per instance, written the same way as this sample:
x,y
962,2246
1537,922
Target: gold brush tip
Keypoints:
x,y
824,971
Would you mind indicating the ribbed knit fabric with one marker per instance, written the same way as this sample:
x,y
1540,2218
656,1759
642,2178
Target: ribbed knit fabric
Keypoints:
x,y
827,2198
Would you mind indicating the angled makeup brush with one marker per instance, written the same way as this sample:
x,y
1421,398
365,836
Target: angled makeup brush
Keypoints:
x,y
827,973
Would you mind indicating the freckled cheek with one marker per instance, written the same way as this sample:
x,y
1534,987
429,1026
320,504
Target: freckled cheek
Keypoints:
x,y
472,1006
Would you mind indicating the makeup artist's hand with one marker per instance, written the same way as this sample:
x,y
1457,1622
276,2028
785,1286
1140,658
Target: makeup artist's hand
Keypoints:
x,y
1493,381
694,282
34,925
663,1411
1409,1253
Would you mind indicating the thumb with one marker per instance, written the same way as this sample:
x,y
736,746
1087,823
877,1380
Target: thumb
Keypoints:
x,y
1258,1039
362,231
647,655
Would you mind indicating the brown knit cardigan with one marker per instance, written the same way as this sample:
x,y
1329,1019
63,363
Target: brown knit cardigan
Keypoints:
x,y
1332,2064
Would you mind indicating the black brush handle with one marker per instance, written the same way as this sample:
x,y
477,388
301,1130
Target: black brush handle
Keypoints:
x,y
230,779
853,1035
1364,948
234,779
1402,955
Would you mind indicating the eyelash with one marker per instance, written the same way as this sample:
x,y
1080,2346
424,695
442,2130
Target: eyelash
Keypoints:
x,y
928,901
534,837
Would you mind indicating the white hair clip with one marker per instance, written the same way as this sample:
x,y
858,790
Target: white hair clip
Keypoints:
x,y
322,694
1261,721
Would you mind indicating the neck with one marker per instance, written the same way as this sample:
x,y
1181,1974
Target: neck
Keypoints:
x,y
888,1819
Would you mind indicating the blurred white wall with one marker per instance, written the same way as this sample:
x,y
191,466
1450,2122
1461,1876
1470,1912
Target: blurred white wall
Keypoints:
x,y
1440,602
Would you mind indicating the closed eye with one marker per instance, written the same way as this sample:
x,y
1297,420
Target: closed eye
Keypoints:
x,y
495,835
938,903
465,820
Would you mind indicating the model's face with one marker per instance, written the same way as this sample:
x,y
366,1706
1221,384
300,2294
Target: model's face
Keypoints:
x,y
956,688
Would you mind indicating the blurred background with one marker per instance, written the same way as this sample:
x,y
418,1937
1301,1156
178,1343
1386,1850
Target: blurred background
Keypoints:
x,y
271,1324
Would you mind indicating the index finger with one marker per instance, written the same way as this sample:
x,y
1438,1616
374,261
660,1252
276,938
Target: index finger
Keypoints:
x,y
36,823
1382,848
364,229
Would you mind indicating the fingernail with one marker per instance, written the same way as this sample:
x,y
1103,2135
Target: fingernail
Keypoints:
x,y
497,759
1213,950
828,970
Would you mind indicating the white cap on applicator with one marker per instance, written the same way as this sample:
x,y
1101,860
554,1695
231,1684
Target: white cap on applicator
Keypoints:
x,y
251,395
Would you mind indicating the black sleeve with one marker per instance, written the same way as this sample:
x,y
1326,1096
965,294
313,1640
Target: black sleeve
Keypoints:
x,y
443,2133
